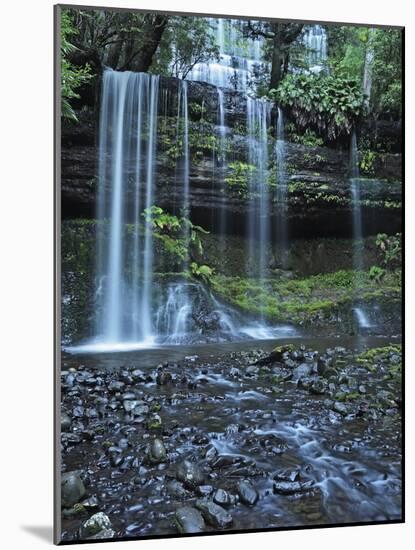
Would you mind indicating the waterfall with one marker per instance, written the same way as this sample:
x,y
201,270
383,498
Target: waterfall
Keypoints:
x,y
315,40
258,226
129,105
367,69
234,69
133,307
281,194
222,162
355,182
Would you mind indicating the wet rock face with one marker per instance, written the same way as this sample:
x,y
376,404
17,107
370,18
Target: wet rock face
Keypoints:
x,y
247,493
229,450
190,474
319,195
98,524
214,514
72,489
189,520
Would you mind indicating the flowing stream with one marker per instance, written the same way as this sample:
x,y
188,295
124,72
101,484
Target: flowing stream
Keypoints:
x,y
133,308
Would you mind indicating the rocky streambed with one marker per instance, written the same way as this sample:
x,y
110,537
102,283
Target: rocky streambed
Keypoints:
x,y
229,440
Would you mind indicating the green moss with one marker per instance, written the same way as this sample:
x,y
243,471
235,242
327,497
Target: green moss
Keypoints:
x,y
301,300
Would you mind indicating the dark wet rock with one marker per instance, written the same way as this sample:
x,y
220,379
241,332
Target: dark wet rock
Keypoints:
x,y
176,489
98,524
340,408
189,520
277,355
287,475
138,375
214,514
116,386
291,487
319,387
205,490
190,474
323,364
302,370
200,439
90,503
252,370
103,535
65,422
223,498
72,489
247,493
163,378
157,451
305,383
224,460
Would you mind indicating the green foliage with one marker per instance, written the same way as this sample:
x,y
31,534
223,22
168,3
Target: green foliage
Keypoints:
x,y
302,300
240,174
373,357
329,104
387,72
367,161
308,137
390,248
203,272
72,78
179,235
376,273
160,219
185,42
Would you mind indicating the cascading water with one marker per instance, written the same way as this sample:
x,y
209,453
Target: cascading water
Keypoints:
x,y
258,227
222,161
361,315
129,104
236,66
281,195
132,307
315,40
367,69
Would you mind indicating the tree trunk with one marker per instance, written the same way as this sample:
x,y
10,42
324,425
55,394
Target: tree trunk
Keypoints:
x,y
141,60
277,58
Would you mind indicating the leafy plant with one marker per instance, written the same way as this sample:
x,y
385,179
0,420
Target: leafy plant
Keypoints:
x,y
330,104
390,248
238,179
376,273
180,235
367,161
72,78
203,272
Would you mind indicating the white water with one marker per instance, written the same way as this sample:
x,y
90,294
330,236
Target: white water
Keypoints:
x,y
358,251
133,311
282,189
315,40
129,102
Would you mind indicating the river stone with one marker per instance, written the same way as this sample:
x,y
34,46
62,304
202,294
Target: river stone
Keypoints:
x,y
247,493
214,514
222,498
95,524
340,408
189,520
319,387
302,370
157,451
72,489
102,535
189,473
65,422
291,487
